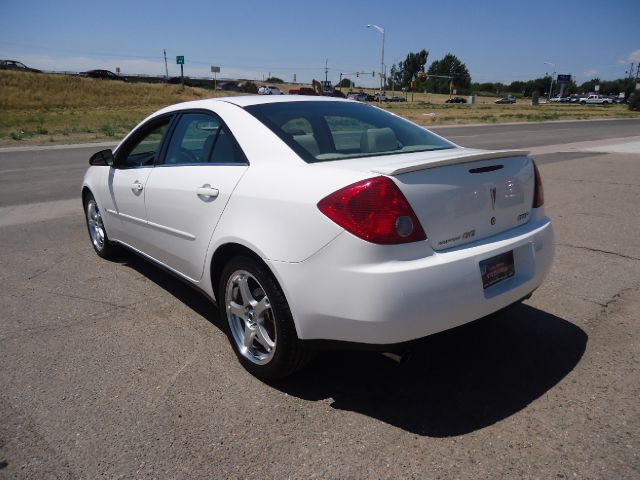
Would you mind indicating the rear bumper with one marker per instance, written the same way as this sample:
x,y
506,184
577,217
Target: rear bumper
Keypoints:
x,y
354,291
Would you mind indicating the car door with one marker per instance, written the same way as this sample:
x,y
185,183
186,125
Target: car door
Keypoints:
x,y
134,161
187,192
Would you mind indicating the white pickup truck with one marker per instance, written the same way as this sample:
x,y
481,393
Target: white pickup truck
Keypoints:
x,y
595,99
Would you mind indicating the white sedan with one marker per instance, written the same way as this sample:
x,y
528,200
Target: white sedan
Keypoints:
x,y
313,220
269,90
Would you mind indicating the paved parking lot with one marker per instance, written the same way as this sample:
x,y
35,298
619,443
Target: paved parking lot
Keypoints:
x,y
117,370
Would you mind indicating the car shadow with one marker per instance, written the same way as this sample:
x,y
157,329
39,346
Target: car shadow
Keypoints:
x,y
455,382
190,296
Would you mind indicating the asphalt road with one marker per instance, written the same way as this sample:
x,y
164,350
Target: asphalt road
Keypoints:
x,y
117,370
55,174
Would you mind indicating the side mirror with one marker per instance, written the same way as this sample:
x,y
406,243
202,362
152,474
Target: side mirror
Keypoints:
x,y
103,158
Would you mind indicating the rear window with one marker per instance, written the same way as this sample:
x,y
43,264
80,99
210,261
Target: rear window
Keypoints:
x,y
325,131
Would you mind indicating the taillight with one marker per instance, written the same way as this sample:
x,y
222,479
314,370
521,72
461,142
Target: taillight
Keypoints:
x,y
374,210
538,192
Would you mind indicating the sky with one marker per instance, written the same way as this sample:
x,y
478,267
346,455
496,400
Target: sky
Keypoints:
x,y
499,41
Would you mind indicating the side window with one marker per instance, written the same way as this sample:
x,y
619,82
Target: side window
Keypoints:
x,y
193,139
226,150
202,138
145,149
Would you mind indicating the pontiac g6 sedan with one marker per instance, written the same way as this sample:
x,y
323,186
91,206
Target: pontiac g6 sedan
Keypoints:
x,y
311,219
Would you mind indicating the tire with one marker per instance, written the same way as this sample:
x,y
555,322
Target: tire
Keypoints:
x,y
97,232
258,321
583,103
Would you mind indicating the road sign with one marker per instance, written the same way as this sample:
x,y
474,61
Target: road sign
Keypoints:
x,y
180,60
564,79
215,69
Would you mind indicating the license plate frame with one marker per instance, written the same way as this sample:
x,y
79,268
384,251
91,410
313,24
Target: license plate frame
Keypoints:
x,y
497,269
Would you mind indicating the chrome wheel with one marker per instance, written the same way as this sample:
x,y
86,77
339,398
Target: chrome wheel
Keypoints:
x,y
96,227
251,318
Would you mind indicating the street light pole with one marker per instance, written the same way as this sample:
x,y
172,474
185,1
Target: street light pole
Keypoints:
x,y
552,75
381,30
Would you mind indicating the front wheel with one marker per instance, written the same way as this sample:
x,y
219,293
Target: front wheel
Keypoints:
x,y
97,233
258,320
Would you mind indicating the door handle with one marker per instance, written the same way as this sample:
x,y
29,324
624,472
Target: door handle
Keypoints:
x,y
137,186
207,191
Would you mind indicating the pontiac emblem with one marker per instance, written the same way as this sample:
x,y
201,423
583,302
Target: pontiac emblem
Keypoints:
x,y
492,191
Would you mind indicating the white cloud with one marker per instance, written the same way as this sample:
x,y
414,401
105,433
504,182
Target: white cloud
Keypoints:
x,y
634,56
591,73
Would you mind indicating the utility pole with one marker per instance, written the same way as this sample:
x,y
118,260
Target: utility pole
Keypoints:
x,y
326,71
631,70
166,69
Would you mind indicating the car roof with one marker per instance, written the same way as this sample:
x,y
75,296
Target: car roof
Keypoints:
x,y
248,100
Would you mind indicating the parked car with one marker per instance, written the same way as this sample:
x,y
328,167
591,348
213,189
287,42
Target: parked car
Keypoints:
x,y
303,91
333,93
574,98
397,98
18,66
380,97
455,100
228,86
506,100
105,75
178,81
313,221
596,99
361,97
269,90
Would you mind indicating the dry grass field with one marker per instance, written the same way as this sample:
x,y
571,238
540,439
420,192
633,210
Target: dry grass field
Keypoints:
x,y
40,109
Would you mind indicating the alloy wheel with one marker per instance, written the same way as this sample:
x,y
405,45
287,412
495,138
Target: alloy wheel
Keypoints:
x,y
251,317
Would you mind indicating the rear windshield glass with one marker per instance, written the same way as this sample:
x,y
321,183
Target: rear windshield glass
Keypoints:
x,y
325,131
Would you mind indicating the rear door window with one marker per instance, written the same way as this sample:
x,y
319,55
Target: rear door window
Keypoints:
x,y
200,138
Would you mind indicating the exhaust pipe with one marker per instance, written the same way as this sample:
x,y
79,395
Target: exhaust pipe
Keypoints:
x,y
399,358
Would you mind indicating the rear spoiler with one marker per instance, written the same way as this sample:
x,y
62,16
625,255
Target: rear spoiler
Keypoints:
x,y
449,157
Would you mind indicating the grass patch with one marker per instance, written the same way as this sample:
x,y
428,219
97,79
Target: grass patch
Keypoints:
x,y
51,108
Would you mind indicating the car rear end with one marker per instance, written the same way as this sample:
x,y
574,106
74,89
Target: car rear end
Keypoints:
x,y
483,243
433,235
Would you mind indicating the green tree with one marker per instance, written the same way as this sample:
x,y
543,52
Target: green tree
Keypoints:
x,y
590,85
449,69
274,80
346,83
402,74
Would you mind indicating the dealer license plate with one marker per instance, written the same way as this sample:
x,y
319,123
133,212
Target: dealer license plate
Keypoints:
x,y
497,269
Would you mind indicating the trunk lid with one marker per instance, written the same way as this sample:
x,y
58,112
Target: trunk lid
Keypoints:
x,y
466,197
